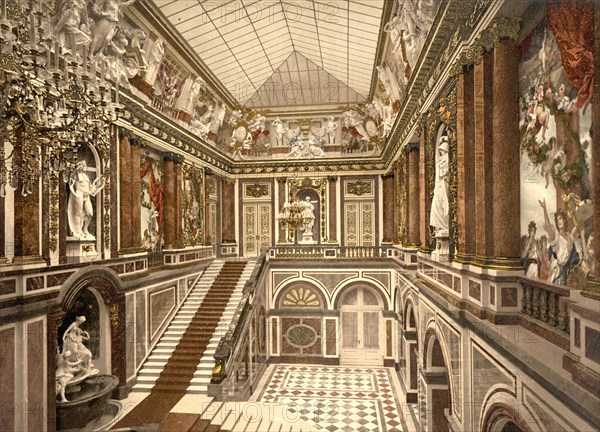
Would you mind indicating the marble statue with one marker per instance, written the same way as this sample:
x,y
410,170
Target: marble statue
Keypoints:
x,y
80,208
105,25
65,372
154,55
389,82
440,206
258,124
308,216
280,130
74,362
193,95
330,128
71,27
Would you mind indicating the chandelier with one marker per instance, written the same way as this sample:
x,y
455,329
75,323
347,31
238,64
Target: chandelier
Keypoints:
x,y
52,101
292,215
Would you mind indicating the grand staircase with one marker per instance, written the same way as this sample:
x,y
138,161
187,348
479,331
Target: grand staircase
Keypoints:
x,y
182,361
188,345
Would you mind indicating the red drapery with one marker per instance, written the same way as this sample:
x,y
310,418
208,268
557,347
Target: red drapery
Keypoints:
x,y
572,22
156,192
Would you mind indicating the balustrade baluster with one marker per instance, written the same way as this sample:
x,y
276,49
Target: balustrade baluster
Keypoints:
x,y
536,302
525,301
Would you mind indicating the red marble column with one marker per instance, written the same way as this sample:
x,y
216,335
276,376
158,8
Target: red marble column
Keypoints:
x,y
506,195
2,234
332,210
465,156
593,287
27,219
389,199
424,190
125,187
136,190
414,218
169,201
483,109
228,211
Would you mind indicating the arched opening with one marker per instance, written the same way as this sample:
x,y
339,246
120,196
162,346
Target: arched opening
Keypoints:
x,y
510,427
88,303
362,327
437,384
411,349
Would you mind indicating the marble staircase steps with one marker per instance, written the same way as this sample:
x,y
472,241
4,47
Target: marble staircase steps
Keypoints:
x,y
188,345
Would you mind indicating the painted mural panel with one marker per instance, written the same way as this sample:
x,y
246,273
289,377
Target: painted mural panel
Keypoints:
x,y
556,142
193,215
152,201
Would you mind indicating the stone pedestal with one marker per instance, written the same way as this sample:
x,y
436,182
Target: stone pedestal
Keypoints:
x,y
307,238
82,250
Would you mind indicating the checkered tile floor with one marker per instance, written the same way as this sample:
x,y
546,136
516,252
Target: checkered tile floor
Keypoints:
x,y
332,398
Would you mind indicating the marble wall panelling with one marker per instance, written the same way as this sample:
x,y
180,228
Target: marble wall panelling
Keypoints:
x,y
330,280
453,344
161,303
381,277
543,414
140,327
130,334
36,366
485,374
7,378
181,291
278,278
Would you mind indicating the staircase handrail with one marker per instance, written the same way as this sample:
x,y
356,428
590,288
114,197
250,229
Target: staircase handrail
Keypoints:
x,y
231,340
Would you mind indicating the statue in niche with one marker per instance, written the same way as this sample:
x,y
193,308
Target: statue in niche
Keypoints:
x,y
74,363
330,128
105,25
154,56
80,208
71,29
440,206
308,217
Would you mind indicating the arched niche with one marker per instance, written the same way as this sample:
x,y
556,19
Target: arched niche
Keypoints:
x,y
502,417
97,292
88,303
438,392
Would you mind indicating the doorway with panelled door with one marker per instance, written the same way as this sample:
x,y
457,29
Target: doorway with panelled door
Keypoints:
x,y
361,328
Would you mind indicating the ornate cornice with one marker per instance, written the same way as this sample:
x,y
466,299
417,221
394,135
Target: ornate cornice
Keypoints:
x,y
501,28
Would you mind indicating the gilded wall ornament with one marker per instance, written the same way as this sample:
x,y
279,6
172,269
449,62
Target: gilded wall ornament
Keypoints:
x,y
359,188
257,190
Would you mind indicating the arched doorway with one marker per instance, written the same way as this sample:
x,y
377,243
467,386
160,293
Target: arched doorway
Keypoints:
x,y
362,327
436,379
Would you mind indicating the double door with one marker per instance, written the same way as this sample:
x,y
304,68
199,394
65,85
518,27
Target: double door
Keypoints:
x,y
361,325
257,228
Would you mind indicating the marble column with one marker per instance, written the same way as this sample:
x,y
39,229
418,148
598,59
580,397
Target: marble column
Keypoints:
x,y
136,190
593,286
282,200
168,227
125,188
482,178
2,234
228,211
26,218
424,191
506,194
389,199
465,156
332,200
413,236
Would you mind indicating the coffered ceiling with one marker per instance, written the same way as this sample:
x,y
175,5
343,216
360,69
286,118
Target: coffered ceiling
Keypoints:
x,y
281,52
